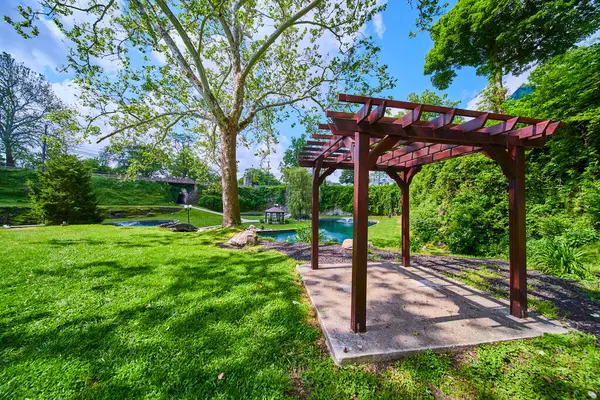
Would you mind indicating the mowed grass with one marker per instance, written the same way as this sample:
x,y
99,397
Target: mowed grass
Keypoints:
x,y
114,312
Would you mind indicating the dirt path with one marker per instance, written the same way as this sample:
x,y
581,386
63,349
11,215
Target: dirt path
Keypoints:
x,y
572,301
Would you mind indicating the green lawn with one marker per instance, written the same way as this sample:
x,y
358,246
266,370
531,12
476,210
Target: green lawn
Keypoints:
x,y
114,312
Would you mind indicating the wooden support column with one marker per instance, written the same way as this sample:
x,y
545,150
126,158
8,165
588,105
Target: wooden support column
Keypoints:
x,y
314,243
403,180
518,252
405,224
358,311
513,166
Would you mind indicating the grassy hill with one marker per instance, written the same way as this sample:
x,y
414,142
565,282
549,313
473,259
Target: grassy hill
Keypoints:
x,y
13,187
110,191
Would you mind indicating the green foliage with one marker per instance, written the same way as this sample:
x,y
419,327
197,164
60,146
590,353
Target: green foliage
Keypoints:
x,y
13,186
63,193
557,257
112,191
211,202
347,177
290,156
499,37
461,202
260,198
260,177
298,189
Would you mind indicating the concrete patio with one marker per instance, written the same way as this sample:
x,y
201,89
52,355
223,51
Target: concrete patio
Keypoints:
x,y
410,310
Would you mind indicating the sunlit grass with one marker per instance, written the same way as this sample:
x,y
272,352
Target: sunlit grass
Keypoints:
x,y
115,312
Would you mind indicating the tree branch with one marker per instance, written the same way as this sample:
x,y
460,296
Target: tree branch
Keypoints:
x,y
265,46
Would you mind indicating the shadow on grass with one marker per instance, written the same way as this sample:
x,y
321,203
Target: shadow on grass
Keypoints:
x,y
161,328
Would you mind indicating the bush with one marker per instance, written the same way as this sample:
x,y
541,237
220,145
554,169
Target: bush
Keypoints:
x,y
214,203
556,257
304,235
64,193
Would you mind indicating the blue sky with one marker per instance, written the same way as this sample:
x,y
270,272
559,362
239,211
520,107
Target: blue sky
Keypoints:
x,y
403,55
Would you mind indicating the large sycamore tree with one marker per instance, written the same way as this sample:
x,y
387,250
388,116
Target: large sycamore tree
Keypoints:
x,y
227,70
26,104
501,37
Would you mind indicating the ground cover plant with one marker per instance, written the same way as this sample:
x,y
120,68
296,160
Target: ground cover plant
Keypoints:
x,y
111,312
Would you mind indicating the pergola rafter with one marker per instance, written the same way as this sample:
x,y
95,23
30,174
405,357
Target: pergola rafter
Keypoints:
x,y
372,140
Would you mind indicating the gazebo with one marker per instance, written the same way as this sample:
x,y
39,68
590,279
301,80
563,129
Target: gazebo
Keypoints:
x,y
275,214
368,140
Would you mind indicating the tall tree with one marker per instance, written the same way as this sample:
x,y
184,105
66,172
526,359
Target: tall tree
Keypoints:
x,y
230,68
347,177
260,177
26,101
290,156
63,193
298,182
501,37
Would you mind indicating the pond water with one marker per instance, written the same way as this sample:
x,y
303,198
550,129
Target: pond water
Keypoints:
x,y
146,223
335,229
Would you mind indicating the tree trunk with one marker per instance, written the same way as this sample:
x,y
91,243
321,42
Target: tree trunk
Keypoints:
x,y
500,92
10,158
231,202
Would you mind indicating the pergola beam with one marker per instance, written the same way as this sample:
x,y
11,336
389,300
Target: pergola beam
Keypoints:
x,y
370,141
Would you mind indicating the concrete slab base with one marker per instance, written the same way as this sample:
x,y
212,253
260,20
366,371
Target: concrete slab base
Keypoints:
x,y
410,310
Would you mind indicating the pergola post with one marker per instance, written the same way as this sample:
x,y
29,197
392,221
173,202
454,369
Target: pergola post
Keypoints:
x,y
405,224
314,243
513,166
358,310
403,180
518,252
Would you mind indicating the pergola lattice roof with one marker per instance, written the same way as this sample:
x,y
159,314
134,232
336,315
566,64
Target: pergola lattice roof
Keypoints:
x,y
368,140
407,141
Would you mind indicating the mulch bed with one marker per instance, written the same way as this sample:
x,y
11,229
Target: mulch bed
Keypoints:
x,y
575,308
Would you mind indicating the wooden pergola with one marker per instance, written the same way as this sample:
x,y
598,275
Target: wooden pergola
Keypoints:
x,y
368,140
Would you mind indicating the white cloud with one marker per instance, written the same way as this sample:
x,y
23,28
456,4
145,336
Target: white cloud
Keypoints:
x,y
247,157
379,25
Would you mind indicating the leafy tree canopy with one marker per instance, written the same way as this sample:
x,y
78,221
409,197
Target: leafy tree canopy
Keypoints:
x,y
298,182
499,37
347,177
260,177
225,70
290,157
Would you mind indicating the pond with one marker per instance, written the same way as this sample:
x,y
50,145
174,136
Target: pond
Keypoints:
x,y
146,223
334,229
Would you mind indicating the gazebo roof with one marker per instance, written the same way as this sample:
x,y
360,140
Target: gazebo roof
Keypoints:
x,y
275,210
408,141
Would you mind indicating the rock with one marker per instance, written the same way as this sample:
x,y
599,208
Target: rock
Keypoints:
x,y
251,228
179,227
347,244
244,238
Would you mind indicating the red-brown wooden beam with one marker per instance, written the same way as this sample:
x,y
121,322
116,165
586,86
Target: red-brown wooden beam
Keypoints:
x,y
512,163
314,243
404,180
517,227
358,308
431,108
309,163
420,133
